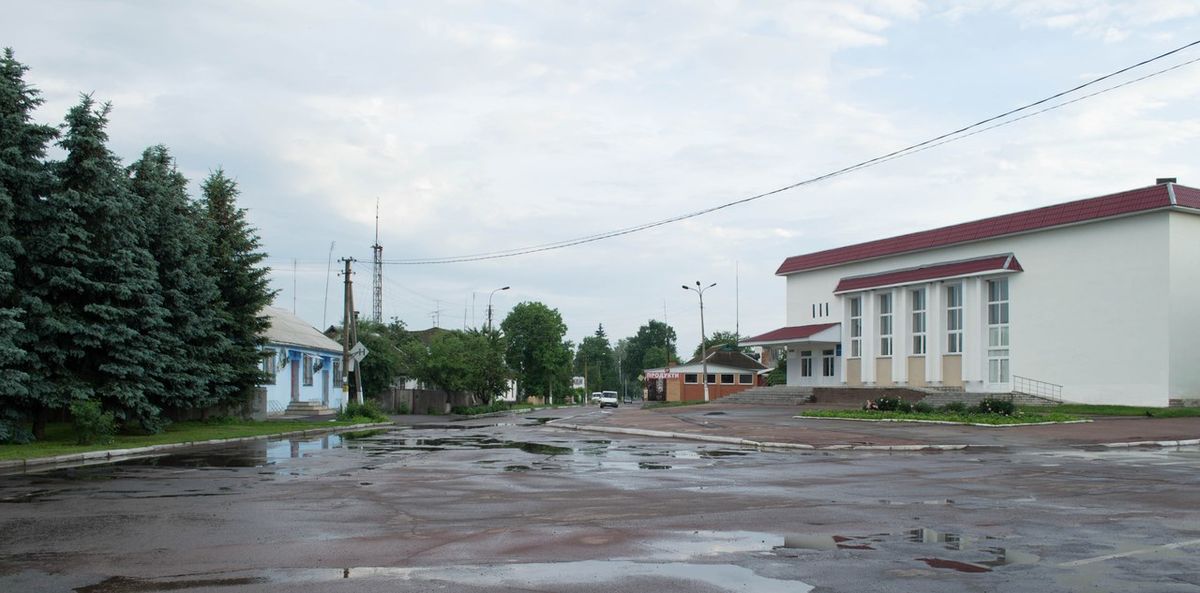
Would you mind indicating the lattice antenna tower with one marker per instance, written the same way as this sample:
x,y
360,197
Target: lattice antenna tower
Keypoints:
x,y
377,276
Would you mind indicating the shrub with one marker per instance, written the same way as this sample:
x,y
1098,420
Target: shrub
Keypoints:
x,y
402,408
366,410
904,406
889,403
996,406
92,424
922,408
954,408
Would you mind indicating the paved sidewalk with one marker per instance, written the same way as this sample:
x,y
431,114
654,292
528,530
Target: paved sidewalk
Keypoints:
x,y
777,424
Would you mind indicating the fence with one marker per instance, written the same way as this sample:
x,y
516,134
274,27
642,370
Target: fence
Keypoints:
x,y
1037,388
422,401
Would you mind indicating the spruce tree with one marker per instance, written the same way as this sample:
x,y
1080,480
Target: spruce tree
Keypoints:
x,y
24,180
242,281
193,350
93,314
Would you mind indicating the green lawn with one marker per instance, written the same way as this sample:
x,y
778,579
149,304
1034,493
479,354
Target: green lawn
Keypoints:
x,y
60,440
1094,410
994,419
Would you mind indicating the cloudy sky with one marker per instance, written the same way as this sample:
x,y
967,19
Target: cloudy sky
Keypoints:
x,y
490,125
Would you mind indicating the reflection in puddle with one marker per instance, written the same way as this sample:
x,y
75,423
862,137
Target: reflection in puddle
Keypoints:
x,y
709,577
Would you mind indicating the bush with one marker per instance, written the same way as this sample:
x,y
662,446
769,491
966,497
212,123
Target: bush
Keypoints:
x,y
92,424
402,408
366,410
922,408
889,403
954,408
1002,407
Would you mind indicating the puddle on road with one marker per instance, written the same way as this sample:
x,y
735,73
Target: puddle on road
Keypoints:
x,y
719,577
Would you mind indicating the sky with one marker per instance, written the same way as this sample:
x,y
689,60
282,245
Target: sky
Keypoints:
x,y
492,125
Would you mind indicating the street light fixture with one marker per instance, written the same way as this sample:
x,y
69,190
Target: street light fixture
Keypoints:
x,y
493,293
703,340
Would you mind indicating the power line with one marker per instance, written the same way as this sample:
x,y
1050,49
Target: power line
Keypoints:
x,y
939,140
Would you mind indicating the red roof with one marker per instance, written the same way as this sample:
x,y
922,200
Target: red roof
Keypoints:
x,y
795,332
997,263
1137,200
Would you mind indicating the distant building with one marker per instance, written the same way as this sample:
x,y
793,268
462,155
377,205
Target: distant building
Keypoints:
x,y
729,371
1097,300
304,363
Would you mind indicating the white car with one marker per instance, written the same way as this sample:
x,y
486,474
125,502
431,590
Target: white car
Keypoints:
x,y
608,398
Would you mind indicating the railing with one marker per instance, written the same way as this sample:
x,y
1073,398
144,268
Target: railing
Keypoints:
x,y
276,408
1036,388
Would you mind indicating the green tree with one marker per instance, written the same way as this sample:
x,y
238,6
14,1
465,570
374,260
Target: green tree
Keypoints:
x,y
24,181
535,350
384,364
721,338
89,287
242,281
597,362
192,351
656,336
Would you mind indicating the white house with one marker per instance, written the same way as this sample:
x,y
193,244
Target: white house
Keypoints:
x,y
304,363
1096,300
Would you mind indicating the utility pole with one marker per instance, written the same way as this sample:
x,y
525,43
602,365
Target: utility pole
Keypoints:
x,y
349,380
377,276
489,325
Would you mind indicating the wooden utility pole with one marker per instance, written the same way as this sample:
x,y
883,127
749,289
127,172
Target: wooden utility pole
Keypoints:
x,y
347,329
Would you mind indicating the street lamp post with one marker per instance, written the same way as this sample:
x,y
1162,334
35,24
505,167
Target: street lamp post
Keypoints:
x,y
493,293
703,340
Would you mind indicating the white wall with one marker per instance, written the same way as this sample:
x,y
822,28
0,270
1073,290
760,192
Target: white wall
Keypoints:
x,y
1090,311
279,393
1185,306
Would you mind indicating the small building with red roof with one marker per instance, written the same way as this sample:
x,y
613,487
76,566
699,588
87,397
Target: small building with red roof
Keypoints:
x,y
1095,300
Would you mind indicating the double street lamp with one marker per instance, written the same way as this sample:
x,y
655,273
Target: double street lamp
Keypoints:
x,y
703,341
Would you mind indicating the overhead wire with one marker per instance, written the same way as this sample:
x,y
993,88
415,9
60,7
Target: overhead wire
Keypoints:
x,y
938,140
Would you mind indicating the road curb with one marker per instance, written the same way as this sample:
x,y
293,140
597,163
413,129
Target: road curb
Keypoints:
x,y
1177,443
113,454
762,444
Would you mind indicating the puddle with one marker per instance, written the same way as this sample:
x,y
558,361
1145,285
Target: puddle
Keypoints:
x,y
954,565
542,576
362,434
646,465
828,542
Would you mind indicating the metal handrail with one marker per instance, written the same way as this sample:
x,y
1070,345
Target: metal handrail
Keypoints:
x,y
1034,387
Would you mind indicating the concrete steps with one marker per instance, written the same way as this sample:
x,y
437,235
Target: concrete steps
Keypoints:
x,y
308,408
777,395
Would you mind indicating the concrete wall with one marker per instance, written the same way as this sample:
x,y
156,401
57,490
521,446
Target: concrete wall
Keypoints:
x,y
1184,307
423,401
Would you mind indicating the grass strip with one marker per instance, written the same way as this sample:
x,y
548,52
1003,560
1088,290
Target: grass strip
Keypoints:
x,y
60,438
1104,410
964,418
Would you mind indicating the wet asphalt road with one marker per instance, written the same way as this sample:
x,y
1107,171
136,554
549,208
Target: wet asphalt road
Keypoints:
x,y
510,505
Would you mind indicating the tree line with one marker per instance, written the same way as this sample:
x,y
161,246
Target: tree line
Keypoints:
x,y
116,287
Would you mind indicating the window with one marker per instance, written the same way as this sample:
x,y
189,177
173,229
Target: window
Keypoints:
x,y
954,319
856,327
269,364
806,363
746,379
885,324
827,361
918,321
711,379
691,378
726,378
307,362
998,371
814,310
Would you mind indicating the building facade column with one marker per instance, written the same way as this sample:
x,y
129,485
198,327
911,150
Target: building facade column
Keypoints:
x,y
973,345
901,334
935,331
870,336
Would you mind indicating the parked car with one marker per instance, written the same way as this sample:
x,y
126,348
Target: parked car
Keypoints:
x,y
595,399
608,398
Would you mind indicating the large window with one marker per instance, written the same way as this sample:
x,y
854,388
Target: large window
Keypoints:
x,y
885,324
917,298
856,327
745,379
827,363
954,319
691,378
806,363
726,378
337,373
998,371
269,364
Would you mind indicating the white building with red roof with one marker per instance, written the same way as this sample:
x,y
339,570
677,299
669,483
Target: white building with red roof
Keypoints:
x,y
1096,301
